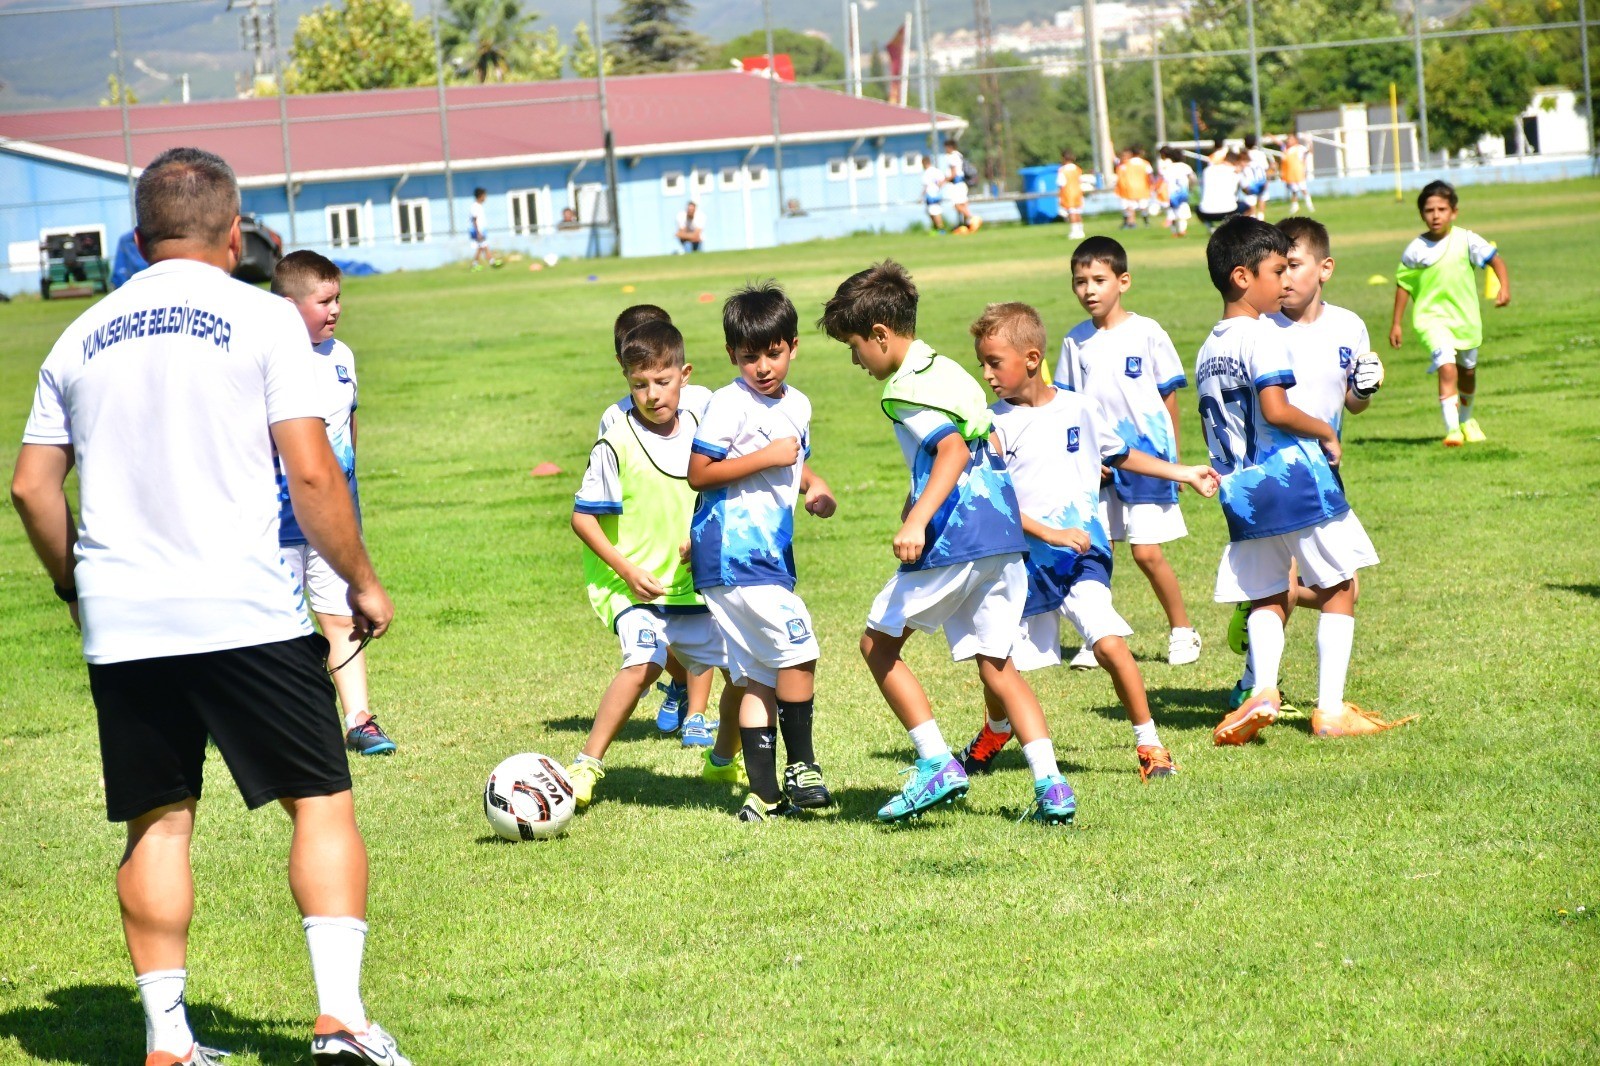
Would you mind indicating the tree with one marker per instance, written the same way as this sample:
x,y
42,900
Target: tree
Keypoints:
x,y
814,59
494,40
1476,86
1555,56
366,44
584,64
652,35
116,91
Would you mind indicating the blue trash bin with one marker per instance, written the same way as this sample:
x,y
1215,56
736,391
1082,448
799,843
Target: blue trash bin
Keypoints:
x,y
1038,203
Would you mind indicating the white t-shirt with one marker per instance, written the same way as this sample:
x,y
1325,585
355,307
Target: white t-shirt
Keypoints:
x,y
480,220
1128,371
698,222
601,489
953,164
742,534
1177,176
1255,168
1424,251
1219,189
335,367
692,398
165,390
1323,354
932,184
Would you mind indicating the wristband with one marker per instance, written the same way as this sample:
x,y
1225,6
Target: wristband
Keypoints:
x,y
65,594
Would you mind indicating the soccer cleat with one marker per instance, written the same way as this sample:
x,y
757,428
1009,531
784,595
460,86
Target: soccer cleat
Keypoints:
x,y
1239,629
1472,432
1454,439
584,773
1240,693
1183,647
756,809
368,738
669,716
333,1042
196,1056
1253,715
1053,802
978,757
731,774
934,780
976,224
1350,721
1155,761
803,784
1085,659
1288,710
699,733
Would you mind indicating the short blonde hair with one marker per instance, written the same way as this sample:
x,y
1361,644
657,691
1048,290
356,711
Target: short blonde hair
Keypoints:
x,y
1016,323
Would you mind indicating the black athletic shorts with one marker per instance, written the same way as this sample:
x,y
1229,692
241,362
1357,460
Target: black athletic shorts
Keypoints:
x,y
269,708
1208,217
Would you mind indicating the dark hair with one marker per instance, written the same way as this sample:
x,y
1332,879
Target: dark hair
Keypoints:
x,y
299,272
1442,189
186,194
631,319
1241,242
757,316
1249,140
1068,155
1018,324
479,191
1101,250
1307,231
882,295
652,346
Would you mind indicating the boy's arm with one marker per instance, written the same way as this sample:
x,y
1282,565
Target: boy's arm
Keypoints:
x,y
708,473
1396,333
641,583
819,498
1075,539
949,460
1503,274
1276,409
1202,479
1171,400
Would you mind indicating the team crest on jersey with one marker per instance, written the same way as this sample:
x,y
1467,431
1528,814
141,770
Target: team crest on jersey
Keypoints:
x,y
1345,355
1134,366
798,633
344,374
647,638
1072,438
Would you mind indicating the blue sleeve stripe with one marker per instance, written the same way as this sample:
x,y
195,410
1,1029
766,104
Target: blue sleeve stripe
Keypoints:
x,y
1172,385
1284,378
596,507
701,447
1113,460
1489,258
932,440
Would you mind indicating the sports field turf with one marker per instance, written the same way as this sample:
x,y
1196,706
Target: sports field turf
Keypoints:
x,y
1414,896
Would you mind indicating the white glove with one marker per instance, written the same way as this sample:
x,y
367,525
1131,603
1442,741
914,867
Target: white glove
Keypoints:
x,y
1368,375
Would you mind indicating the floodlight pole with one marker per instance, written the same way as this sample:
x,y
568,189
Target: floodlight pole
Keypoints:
x,y
1155,79
772,100
1588,88
122,105
444,121
608,141
283,126
924,78
1422,89
1255,68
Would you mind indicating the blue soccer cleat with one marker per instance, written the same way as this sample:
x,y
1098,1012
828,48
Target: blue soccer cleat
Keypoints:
x,y
669,716
699,733
934,780
1053,802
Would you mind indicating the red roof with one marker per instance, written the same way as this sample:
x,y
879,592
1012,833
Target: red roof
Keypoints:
x,y
392,130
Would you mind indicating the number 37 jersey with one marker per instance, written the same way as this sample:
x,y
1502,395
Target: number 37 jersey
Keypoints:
x,y
1272,481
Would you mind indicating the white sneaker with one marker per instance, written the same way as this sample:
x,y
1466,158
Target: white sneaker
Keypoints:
x,y
1183,647
1084,660
334,1043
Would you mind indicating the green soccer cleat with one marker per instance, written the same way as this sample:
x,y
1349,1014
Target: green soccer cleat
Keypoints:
x,y
1472,432
803,784
756,809
1455,439
1239,629
731,774
584,773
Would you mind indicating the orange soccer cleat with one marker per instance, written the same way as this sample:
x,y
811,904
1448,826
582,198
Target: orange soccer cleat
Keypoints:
x,y
1155,761
1253,715
1350,721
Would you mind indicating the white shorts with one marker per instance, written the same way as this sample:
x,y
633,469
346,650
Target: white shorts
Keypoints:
x,y
1182,211
977,604
1135,205
1087,607
766,627
693,636
936,209
1442,346
1141,523
955,193
1328,553
325,589
1297,188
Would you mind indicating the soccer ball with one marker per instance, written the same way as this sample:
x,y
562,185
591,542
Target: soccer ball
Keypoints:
x,y
528,797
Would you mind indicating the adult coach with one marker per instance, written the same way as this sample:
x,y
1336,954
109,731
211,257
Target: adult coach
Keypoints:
x,y
169,396
691,231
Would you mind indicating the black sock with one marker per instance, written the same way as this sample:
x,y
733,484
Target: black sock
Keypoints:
x,y
761,761
794,718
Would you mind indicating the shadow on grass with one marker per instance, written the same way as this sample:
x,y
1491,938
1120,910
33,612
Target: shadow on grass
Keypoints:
x,y
642,726
1396,440
1009,759
1591,591
93,1024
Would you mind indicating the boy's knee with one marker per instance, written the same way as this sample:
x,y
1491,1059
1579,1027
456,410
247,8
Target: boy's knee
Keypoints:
x,y
1147,554
879,647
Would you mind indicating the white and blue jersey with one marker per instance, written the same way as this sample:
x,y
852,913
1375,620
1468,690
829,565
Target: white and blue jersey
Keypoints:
x,y
1323,354
1272,481
1054,454
336,385
743,533
1128,371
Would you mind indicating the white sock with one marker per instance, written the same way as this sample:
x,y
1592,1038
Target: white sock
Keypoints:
x,y
1041,756
335,945
1266,646
1335,635
355,718
1003,725
1309,205
1450,407
166,1023
1145,734
928,740
1247,677
1466,399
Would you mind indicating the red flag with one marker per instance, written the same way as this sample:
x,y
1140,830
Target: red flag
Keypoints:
x,y
896,50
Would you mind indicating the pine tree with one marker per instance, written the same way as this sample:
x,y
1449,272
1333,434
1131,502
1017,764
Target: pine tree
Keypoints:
x,y
653,35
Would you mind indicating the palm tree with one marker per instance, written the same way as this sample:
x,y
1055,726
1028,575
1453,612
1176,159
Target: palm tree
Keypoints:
x,y
489,38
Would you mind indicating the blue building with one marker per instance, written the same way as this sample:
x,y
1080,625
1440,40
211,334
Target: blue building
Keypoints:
x,y
363,176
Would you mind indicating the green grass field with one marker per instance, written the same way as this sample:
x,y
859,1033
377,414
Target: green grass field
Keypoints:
x,y
1413,896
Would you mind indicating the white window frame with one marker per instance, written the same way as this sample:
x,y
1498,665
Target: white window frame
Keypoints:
x,y
416,208
543,215
838,169
341,212
673,184
757,176
702,181
730,177
859,171
912,161
888,164
595,191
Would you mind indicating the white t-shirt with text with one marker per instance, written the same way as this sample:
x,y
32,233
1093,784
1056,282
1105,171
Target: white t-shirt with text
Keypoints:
x,y
1323,354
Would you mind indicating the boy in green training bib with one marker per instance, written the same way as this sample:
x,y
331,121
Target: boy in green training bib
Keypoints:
x,y
632,514
1438,276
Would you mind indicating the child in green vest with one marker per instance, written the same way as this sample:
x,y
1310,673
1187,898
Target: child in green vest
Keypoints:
x,y
632,515
1438,274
